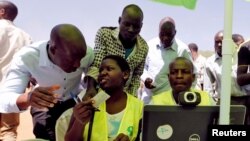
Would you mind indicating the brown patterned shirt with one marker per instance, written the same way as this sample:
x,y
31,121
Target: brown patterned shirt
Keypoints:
x,y
108,43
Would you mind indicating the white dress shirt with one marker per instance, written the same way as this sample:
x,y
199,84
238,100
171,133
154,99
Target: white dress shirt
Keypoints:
x,y
33,61
12,39
212,77
200,63
157,65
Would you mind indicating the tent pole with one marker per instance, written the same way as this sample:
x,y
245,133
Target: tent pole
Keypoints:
x,y
227,55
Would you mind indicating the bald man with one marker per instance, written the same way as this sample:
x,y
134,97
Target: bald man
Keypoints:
x,y
57,65
238,39
181,75
124,41
162,50
213,72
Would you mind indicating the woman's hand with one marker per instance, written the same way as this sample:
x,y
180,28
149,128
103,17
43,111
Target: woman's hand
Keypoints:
x,y
83,111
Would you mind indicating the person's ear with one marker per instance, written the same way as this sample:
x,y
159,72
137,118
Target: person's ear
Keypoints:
x,y
193,76
175,31
119,20
2,12
126,75
52,47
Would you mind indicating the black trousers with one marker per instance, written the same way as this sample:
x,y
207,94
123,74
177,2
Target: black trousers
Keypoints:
x,y
44,121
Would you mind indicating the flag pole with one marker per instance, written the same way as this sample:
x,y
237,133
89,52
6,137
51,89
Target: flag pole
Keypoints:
x,y
227,55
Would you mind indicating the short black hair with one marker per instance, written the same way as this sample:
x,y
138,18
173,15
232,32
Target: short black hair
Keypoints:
x,y
183,59
10,9
122,63
136,8
237,37
193,47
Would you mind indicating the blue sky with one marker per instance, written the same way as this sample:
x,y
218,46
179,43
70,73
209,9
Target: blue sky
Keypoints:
x,y
37,17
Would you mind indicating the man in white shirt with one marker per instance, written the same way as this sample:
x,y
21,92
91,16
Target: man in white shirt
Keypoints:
x,y
162,50
199,62
213,72
57,66
12,39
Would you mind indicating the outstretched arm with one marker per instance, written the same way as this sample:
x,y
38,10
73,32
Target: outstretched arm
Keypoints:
x,y
243,77
100,53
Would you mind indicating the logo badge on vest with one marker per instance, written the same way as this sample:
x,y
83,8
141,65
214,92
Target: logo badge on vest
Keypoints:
x,y
130,130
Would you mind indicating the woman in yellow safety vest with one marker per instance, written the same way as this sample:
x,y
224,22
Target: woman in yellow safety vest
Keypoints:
x,y
118,118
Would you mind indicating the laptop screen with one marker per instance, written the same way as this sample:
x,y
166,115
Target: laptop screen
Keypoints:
x,y
178,123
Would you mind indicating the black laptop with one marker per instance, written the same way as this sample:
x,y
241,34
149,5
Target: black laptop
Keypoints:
x,y
178,123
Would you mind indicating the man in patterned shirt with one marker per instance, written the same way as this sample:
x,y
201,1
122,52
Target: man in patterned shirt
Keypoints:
x,y
124,41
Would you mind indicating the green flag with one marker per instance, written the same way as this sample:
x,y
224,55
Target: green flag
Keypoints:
x,y
189,4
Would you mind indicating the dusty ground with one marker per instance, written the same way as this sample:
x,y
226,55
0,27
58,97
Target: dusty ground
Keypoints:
x,y
25,128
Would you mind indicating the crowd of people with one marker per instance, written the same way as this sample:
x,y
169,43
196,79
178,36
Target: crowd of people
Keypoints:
x,y
49,75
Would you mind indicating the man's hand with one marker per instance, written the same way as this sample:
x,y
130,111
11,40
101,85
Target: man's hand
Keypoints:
x,y
148,83
43,97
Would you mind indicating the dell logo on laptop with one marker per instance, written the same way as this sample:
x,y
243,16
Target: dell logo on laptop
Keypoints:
x,y
194,137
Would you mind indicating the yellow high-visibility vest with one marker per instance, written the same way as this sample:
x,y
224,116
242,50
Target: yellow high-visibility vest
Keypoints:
x,y
167,98
129,123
